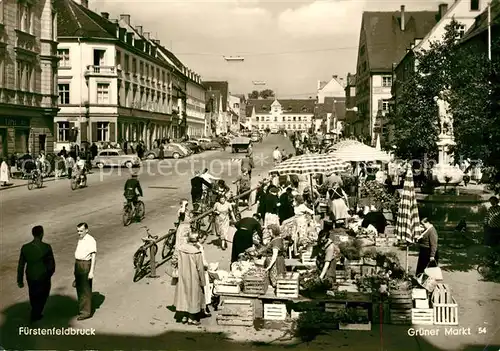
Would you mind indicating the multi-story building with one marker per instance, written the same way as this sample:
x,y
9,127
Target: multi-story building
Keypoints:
x,y
222,117
477,35
28,67
213,112
281,114
234,109
115,82
350,107
384,39
195,106
463,11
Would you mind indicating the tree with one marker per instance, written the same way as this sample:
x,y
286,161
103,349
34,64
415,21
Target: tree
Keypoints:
x,y
266,93
253,95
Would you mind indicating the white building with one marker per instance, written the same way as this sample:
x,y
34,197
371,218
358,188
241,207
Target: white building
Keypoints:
x,y
115,82
195,106
334,88
234,111
281,114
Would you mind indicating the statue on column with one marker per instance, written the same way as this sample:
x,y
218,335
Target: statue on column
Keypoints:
x,y
445,120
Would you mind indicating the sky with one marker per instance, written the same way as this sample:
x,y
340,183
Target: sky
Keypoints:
x,y
290,45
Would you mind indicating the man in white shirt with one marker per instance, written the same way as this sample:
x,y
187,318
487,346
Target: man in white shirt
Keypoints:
x,y
277,156
85,257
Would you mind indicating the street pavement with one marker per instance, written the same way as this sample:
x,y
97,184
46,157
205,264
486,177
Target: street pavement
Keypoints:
x,y
136,315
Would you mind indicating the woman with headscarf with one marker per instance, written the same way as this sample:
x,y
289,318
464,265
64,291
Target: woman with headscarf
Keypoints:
x,y
327,254
271,206
275,261
285,210
337,204
223,216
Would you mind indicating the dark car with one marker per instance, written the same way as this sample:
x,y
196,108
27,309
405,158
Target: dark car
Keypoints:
x,y
194,146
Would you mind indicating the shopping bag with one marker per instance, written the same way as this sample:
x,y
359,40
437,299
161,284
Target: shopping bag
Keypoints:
x,y
434,272
426,282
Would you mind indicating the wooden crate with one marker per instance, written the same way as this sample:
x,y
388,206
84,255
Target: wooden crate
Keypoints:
x,y
402,317
275,311
400,305
255,284
306,257
422,316
340,275
236,313
227,289
421,304
288,286
444,305
356,326
419,294
334,307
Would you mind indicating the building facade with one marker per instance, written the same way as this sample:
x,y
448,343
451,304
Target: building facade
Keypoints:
x,y
219,113
195,106
234,110
350,106
333,88
213,112
384,39
281,114
115,82
28,67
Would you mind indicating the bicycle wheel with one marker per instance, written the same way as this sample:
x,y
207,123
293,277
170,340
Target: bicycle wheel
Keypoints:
x,y
139,257
140,210
168,246
127,215
31,184
73,183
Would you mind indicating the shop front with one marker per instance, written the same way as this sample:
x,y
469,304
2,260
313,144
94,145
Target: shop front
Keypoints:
x,y
14,135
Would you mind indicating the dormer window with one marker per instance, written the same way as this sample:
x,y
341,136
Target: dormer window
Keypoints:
x,y
474,5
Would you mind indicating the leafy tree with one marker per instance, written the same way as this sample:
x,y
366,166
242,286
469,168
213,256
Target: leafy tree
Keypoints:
x,y
253,95
266,93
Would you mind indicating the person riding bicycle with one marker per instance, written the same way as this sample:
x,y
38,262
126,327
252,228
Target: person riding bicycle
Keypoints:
x,y
132,189
79,170
197,184
243,184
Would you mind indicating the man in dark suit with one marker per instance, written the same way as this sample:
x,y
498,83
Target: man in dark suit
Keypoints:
x,y
38,259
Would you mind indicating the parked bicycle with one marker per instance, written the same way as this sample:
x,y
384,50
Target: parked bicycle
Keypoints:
x,y
169,243
133,211
35,179
489,265
78,181
142,268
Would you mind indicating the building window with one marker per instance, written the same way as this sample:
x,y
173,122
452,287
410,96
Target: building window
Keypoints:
x,y
134,66
257,119
63,94
294,119
127,63
387,81
276,119
20,80
385,106
63,131
24,19
461,30
474,5
102,131
63,55
300,118
102,93
118,59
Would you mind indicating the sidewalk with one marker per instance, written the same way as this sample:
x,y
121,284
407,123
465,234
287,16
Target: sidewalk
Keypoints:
x,y
16,182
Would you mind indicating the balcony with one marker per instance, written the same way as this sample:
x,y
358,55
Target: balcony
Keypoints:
x,y
101,71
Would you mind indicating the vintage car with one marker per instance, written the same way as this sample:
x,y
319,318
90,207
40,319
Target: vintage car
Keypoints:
x,y
116,158
194,146
256,137
240,144
208,144
172,150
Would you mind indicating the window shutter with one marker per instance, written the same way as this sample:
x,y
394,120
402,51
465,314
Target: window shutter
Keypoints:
x,y
83,132
380,104
56,132
94,131
112,132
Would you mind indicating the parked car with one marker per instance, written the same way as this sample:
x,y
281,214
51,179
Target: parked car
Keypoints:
x,y
256,138
208,144
116,158
240,144
194,146
172,150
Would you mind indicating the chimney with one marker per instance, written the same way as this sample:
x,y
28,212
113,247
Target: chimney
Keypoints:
x,y
157,41
443,8
335,76
105,15
84,3
403,21
139,29
125,18
147,35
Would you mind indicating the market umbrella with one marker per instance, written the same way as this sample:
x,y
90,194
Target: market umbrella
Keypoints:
x,y
378,147
361,153
408,222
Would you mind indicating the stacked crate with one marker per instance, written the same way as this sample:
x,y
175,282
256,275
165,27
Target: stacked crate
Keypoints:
x,y
369,266
236,313
275,312
400,306
287,286
421,313
444,306
255,284
307,259
334,307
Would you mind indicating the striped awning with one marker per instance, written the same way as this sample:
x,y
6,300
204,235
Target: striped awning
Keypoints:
x,y
408,222
311,164
361,153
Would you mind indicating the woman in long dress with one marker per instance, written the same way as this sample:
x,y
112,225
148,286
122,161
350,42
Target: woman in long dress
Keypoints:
x,y
184,217
338,201
223,216
302,220
271,207
4,173
275,262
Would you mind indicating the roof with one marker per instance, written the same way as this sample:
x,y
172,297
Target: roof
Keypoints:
x,y
481,24
171,56
75,20
340,111
327,107
386,43
289,106
222,87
